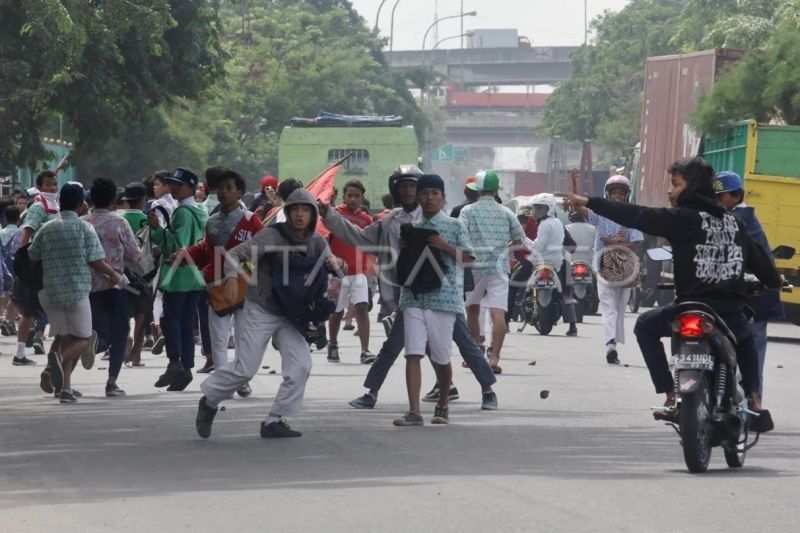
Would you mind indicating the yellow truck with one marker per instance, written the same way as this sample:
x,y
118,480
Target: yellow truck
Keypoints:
x,y
768,159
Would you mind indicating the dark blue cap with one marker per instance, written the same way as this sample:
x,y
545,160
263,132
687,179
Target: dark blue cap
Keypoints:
x,y
71,195
727,181
184,175
430,181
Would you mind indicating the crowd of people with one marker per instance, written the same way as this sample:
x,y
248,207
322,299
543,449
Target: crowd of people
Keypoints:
x,y
177,261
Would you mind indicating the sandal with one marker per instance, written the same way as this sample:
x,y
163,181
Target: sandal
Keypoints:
x,y
496,369
464,364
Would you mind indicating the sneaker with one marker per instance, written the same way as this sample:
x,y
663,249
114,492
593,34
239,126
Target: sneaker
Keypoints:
x,y
572,331
106,356
158,346
148,342
367,358
77,393
322,338
23,361
207,368
409,419
30,339
333,354
87,356
67,397
611,357
12,329
388,322
278,430
45,383
38,346
173,370
56,370
114,390
433,395
489,401
205,418
364,402
4,329
181,381
244,391
349,327
441,415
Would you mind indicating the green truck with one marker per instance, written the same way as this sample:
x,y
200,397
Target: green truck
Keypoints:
x,y
306,150
768,159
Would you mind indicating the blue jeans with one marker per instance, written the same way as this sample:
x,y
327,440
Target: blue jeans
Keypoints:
x,y
110,321
392,347
654,325
759,330
177,323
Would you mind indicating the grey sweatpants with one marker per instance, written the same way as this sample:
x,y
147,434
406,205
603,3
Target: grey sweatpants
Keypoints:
x,y
254,328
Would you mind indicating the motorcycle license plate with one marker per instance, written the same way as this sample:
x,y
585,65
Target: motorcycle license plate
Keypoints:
x,y
693,361
545,284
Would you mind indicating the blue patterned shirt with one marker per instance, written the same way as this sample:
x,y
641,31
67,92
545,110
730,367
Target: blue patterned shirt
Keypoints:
x,y
65,246
450,296
36,215
491,227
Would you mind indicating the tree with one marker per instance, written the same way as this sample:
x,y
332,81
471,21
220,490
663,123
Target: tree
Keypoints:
x,y
98,64
764,86
602,100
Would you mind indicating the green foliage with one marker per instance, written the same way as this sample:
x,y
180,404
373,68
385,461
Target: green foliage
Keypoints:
x,y
765,85
101,65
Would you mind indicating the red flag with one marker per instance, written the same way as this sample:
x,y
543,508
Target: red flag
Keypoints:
x,y
321,188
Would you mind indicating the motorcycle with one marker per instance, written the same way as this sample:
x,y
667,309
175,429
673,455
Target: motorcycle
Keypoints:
x,y
711,407
541,301
582,286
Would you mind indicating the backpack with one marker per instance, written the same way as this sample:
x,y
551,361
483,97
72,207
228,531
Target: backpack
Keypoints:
x,y
415,271
143,274
304,297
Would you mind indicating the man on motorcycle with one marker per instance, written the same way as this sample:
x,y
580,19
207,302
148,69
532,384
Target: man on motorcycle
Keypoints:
x,y
767,306
549,248
711,249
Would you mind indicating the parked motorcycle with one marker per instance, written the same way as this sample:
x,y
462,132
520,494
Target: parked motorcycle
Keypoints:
x,y
711,407
541,302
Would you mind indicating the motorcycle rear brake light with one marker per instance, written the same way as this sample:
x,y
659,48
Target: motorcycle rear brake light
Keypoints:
x,y
580,270
692,326
545,273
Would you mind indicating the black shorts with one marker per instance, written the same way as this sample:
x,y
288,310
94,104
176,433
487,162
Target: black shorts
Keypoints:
x,y
141,304
26,300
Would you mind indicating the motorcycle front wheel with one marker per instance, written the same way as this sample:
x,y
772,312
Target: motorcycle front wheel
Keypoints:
x,y
695,424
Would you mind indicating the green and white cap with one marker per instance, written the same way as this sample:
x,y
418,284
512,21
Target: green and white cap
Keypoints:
x,y
485,181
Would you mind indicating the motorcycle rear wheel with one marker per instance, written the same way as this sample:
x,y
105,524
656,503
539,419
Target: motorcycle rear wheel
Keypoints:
x,y
695,427
735,457
635,300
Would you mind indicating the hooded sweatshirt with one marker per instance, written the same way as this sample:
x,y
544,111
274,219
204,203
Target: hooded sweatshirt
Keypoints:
x,y
710,247
269,240
186,228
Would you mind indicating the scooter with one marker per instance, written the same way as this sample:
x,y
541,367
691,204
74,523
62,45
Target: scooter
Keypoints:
x,y
542,299
582,286
711,407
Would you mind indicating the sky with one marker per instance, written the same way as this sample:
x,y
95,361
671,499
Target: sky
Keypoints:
x,y
545,22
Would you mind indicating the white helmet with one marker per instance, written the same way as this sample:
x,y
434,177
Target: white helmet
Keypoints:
x,y
618,181
545,198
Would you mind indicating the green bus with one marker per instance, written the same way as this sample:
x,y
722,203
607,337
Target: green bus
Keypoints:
x,y
305,151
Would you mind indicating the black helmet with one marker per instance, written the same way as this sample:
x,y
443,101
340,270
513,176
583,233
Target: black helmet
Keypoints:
x,y
402,173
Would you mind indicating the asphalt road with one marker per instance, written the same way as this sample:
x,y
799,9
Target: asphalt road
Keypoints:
x,y
587,458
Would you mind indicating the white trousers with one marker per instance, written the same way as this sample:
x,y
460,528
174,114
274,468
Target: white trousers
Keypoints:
x,y
255,327
219,329
613,302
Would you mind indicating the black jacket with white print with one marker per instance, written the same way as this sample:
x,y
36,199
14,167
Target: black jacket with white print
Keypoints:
x,y
710,248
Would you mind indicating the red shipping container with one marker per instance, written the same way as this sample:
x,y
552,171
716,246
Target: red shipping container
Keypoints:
x,y
673,86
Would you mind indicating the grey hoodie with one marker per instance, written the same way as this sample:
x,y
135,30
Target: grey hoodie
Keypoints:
x,y
270,240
